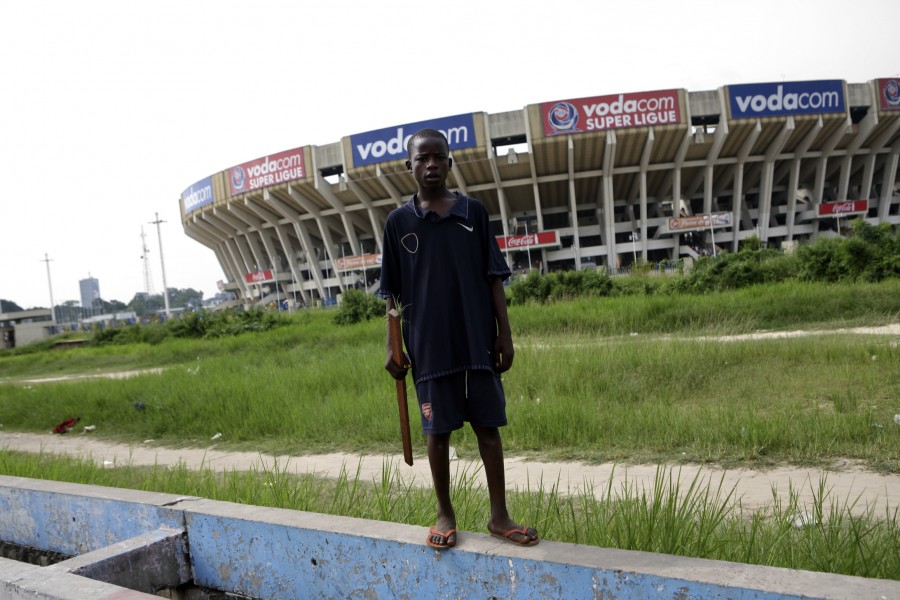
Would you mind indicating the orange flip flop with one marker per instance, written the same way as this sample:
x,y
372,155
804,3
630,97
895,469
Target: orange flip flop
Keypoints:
x,y
444,535
524,531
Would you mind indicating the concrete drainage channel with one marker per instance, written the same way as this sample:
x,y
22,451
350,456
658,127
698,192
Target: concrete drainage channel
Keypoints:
x,y
93,543
157,557
32,556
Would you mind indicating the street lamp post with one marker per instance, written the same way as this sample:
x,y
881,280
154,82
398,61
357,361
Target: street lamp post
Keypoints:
x,y
528,245
712,232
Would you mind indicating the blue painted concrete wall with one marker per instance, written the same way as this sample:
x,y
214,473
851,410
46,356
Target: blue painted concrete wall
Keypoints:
x,y
73,519
272,553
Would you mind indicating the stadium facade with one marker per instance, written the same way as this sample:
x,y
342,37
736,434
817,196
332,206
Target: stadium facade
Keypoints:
x,y
598,182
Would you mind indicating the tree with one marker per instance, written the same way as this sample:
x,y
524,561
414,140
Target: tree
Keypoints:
x,y
112,306
188,298
145,305
9,306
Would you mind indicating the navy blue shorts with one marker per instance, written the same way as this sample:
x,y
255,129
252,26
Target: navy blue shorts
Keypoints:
x,y
447,402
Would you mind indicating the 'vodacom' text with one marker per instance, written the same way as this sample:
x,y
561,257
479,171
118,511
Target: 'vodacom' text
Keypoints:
x,y
272,172
195,198
293,161
779,101
396,145
631,113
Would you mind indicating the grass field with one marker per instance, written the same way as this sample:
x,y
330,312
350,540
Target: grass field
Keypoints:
x,y
630,379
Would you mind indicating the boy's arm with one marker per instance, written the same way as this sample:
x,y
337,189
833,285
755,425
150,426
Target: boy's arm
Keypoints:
x,y
503,344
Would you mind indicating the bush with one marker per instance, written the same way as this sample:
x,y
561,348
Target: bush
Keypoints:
x,y
200,324
751,265
358,306
534,288
871,253
560,285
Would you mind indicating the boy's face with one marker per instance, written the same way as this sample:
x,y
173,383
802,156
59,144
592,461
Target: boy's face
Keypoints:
x,y
430,163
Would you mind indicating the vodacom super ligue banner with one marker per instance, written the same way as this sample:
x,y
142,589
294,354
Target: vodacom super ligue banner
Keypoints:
x,y
598,113
267,171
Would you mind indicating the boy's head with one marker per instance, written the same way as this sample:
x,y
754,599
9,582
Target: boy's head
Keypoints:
x,y
429,160
426,134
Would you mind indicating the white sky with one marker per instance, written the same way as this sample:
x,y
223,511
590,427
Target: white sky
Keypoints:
x,y
110,109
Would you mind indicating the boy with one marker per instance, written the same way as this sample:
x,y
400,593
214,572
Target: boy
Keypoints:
x,y
442,269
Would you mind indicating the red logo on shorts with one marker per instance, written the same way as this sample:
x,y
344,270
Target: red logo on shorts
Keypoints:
x,y
426,411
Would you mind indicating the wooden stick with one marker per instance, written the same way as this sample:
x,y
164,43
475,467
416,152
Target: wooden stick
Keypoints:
x,y
397,355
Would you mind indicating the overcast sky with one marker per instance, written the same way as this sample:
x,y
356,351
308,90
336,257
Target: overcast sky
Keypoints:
x,y
110,109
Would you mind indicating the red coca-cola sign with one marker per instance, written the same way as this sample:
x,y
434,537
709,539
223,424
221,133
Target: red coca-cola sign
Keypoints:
x,y
259,276
531,240
834,209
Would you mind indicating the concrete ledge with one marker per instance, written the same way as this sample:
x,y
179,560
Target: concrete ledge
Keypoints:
x,y
274,553
73,519
20,581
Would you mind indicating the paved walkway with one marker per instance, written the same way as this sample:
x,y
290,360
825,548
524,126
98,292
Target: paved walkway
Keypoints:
x,y
847,483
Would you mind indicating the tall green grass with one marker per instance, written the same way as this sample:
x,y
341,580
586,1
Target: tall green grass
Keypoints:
x,y
582,385
767,307
628,398
801,399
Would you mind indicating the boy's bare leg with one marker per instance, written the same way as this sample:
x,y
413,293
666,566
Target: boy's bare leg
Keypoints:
x,y
439,460
490,446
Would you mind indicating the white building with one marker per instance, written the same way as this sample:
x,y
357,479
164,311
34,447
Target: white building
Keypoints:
x,y
570,183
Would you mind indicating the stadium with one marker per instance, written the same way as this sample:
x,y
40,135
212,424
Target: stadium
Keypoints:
x,y
599,182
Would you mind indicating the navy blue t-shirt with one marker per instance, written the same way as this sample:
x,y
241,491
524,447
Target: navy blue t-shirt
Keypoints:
x,y
439,271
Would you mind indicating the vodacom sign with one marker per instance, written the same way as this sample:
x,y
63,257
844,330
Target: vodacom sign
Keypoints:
x,y
267,171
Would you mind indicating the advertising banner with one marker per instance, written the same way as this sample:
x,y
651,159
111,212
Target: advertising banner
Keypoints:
x,y
889,93
721,219
532,240
382,145
267,171
753,100
598,113
198,195
259,276
839,209
356,263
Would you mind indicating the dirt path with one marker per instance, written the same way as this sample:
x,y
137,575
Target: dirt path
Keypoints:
x,y
754,488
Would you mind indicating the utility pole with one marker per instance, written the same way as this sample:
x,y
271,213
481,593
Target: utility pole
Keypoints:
x,y
145,256
162,264
47,260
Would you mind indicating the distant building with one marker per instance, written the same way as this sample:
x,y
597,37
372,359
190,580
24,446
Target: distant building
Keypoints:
x,y
90,293
23,327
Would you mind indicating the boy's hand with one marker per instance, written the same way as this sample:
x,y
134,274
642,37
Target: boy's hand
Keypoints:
x,y
397,371
503,353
